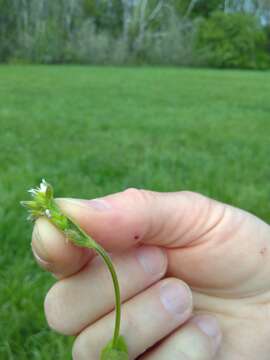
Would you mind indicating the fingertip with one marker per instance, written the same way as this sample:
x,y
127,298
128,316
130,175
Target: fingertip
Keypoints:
x,y
54,253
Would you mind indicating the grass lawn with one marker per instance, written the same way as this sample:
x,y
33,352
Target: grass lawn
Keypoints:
x,y
92,131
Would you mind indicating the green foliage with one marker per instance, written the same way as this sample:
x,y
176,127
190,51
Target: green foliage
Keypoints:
x,y
8,29
267,31
232,40
125,32
201,7
164,39
174,47
107,15
207,7
94,131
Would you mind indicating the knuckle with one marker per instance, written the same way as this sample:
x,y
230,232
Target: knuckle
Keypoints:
x,y
135,194
139,195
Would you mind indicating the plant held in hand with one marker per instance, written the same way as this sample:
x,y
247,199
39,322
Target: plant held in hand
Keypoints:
x,y
43,204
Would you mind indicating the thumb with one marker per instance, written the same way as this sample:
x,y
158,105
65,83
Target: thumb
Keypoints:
x,y
195,230
131,217
117,222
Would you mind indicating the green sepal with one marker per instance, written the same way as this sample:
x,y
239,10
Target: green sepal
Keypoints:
x,y
118,351
30,205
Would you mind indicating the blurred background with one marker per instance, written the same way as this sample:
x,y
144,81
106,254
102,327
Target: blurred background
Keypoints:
x,y
215,33
100,95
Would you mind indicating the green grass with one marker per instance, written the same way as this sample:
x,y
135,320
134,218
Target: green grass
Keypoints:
x,y
92,131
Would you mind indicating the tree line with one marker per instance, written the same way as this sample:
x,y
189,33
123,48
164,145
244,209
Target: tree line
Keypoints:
x,y
224,34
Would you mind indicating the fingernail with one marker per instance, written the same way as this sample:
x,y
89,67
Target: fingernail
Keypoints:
x,y
152,259
37,245
175,297
97,204
209,326
41,261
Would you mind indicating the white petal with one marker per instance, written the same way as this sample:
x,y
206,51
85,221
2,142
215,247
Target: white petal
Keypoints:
x,y
32,191
48,213
43,187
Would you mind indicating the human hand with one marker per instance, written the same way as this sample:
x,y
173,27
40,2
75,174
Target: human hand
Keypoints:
x,y
221,252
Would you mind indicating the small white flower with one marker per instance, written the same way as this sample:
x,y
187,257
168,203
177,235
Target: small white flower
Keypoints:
x,y
41,189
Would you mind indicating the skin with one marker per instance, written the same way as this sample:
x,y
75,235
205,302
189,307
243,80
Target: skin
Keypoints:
x,y
194,275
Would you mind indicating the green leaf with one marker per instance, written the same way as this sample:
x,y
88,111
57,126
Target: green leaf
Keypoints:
x,y
119,351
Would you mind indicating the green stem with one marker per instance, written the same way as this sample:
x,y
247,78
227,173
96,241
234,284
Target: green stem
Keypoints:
x,y
109,263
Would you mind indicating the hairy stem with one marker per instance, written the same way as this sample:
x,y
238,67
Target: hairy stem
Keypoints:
x,y
44,204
